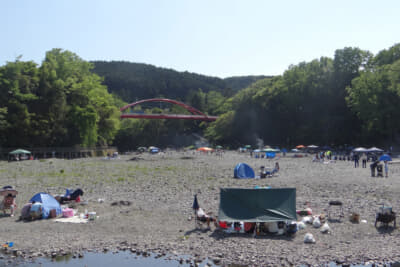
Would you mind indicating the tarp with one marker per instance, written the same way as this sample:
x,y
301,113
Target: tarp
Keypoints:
x,y
257,205
242,170
270,155
49,203
19,151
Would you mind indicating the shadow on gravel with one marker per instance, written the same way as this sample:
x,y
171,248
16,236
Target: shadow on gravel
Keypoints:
x,y
334,220
135,158
186,157
198,230
218,235
385,229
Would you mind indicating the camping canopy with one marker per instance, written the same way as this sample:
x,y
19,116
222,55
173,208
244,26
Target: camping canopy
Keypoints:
x,y
374,149
20,151
242,170
48,203
257,205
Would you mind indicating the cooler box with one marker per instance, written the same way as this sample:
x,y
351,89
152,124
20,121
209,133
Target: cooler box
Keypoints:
x,y
66,213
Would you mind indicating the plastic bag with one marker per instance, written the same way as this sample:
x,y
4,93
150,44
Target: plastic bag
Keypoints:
x,y
307,219
309,238
325,228
301,225
317,223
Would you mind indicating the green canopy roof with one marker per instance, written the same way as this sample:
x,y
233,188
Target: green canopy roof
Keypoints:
x,y
20,151
257,205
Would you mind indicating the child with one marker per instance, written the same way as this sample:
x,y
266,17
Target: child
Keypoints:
x,y
8,203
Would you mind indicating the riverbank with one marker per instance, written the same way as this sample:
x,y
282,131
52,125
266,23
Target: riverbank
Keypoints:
x,y
148,198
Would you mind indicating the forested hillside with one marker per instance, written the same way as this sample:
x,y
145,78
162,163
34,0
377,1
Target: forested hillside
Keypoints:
x,y
135,81
350,99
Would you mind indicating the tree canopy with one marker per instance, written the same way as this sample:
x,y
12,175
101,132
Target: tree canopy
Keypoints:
x,y
351,98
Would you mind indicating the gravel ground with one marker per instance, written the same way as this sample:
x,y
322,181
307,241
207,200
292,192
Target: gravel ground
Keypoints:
x,y
158,216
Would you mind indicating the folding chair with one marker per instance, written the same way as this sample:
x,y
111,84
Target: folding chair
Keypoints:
x,y
339,205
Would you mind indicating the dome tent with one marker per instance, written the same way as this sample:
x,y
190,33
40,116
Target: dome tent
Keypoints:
x,y
243,171
48,203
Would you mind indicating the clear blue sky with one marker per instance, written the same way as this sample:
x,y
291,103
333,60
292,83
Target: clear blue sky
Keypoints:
x,y
213,37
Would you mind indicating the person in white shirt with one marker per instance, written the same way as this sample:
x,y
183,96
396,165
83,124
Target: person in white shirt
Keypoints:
x,y
204,217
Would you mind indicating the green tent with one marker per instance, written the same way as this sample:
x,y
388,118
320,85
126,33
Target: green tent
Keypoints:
x,y
19,151
257,205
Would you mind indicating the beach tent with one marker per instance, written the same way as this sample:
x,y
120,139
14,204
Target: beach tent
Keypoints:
x,y
48,203
19,151
270,155
242,170
257,205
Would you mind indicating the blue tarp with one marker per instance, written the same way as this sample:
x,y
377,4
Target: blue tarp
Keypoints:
x,y
242,170
270,155
48,202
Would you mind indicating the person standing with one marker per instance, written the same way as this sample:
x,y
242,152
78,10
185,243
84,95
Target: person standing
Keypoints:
x,y
386,169
356,161
364,160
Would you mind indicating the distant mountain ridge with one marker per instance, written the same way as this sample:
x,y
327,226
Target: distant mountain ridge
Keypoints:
x,y
135,81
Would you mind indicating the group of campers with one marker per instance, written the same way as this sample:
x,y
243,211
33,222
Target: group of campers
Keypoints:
x,y
274,227
41,205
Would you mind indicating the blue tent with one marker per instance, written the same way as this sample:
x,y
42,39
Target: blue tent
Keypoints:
x,y
242,170
48,203
270,155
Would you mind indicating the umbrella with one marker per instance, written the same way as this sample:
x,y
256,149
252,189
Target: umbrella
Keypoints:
x,y
312,146
205,149
360,149
270,150
385,157
20,151
218,147
195,203
247,146
8,190
300,146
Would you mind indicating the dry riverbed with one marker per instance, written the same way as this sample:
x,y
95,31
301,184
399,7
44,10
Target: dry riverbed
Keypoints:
x,y
147,208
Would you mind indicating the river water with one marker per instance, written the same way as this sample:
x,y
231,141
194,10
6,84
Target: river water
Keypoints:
x,y
120,259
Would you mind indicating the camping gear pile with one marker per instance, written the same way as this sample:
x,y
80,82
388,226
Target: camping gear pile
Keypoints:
x,y
45,206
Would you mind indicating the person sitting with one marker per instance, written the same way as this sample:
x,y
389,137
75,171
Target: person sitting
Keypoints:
x,y
36,210
275,170
25,211
204,217
8,203
74,196
262,172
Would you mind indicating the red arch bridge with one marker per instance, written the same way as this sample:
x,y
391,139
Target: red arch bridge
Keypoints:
x,y
195,113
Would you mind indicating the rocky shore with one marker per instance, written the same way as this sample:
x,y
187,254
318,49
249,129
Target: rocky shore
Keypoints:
x,y
144,205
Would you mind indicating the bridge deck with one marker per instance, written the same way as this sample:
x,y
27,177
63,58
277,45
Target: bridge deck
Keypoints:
x,y
169,116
